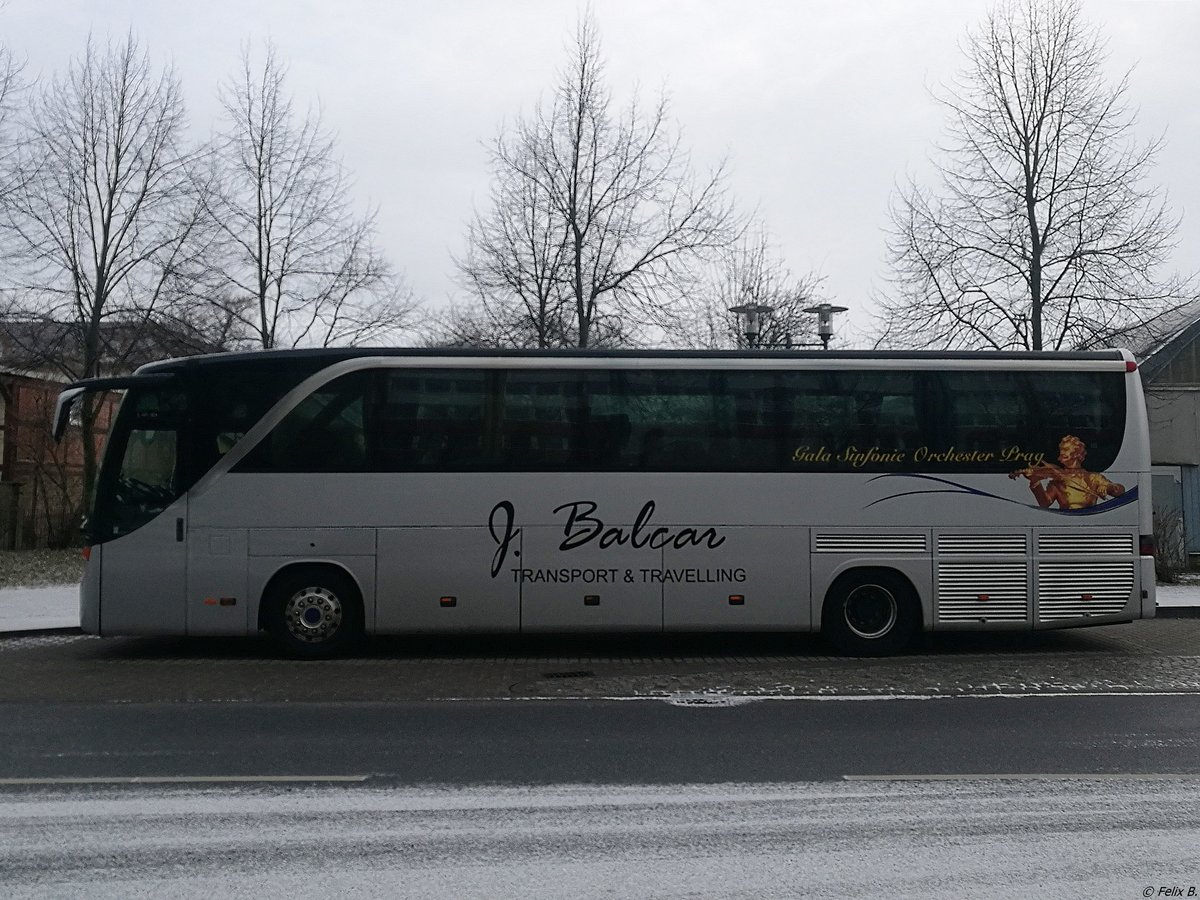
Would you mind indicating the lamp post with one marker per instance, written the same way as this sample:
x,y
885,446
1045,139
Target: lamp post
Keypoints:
x,y
824,313
750,316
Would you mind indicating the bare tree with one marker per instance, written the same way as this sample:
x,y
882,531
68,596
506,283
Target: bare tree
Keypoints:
x,y
515,265
495,326
11,88
596,217
487,326
296,265
102,222
1042,233
749,272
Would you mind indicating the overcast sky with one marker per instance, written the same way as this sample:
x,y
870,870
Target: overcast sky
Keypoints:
x,y
820,106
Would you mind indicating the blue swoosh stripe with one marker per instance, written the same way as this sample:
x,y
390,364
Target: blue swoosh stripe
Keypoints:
x,y
1128,497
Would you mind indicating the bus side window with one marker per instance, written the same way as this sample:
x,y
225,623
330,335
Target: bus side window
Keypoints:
x,y
822,421
897,425
982,407
429,419
663,421
324,433
607,441
539,417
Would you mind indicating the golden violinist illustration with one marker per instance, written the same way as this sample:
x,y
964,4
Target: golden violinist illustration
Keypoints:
x,y
1069,485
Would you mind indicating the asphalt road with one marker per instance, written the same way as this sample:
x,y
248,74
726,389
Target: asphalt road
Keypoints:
x,y
705,708
605,742
1061,764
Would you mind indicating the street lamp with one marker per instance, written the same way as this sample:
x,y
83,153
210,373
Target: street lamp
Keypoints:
x,y
750,316
824,313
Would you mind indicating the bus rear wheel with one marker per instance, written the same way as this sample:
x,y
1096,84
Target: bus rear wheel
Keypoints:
x,y
870,612
314,613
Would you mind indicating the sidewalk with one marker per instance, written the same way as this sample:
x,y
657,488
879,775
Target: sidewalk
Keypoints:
x,y
56,608
1178,597
53,608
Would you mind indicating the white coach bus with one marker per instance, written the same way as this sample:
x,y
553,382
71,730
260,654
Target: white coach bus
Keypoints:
x,y
323,495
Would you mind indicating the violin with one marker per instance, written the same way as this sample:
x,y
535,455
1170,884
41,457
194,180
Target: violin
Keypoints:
x,y
1038,473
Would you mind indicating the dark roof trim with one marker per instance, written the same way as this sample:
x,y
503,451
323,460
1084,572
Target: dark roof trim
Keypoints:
x,y
332,355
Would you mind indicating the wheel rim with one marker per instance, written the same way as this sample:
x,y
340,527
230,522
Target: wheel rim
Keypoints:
x,y
313,614
871,611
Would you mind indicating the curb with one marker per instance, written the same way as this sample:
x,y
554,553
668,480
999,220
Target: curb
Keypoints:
x,y
38,632
1162,612
1177,612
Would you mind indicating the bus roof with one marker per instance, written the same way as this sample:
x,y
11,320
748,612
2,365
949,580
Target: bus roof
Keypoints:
x,y
328,356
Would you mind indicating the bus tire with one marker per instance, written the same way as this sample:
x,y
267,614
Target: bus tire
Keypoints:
x,y
313,612
870,612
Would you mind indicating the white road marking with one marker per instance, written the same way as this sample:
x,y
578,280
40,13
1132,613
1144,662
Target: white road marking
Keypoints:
x,y
187,779
748,698
1033,776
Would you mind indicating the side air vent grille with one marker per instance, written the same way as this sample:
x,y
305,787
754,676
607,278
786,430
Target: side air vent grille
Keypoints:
x,y
1082,590
871,544
981,545
982,593
1074,543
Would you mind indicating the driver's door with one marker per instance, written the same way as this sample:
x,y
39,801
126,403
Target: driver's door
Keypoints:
x,y
143,574
142,516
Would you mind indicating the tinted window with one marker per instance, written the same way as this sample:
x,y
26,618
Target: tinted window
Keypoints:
x,y
429,420
324,433
541,419
414,420
143,467
1008,420
229,398
861,421
664,421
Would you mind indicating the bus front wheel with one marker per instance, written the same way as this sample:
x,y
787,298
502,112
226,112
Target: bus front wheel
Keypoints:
x,y
313,613
870,612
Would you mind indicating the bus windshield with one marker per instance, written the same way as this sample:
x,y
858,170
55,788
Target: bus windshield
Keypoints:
x,y
142,473
168,433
